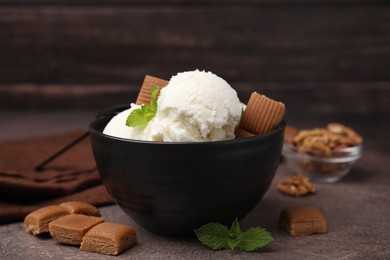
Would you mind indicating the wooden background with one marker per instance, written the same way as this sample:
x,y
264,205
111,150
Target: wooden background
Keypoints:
x,y
94,53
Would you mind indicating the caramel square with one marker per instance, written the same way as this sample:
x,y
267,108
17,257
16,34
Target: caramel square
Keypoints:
x,y
109,239
302,221
37,222
145,92
289,133
262,114
80,207
72,228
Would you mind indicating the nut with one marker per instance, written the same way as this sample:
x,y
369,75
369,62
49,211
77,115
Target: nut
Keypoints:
x,y
349,135
323,141
296,186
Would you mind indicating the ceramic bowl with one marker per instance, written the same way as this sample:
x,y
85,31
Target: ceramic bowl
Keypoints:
x,y
322,169
173,188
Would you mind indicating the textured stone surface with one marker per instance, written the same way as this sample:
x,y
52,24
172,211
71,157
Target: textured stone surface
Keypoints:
x,y
356,208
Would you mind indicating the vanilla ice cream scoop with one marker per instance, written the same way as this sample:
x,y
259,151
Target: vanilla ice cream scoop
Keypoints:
x,y
117,126
195,106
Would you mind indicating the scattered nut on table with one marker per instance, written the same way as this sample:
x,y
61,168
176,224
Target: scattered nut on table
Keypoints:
x,y
296,186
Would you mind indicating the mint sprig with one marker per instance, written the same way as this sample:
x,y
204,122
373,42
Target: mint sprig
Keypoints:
x,y
142,115
217,236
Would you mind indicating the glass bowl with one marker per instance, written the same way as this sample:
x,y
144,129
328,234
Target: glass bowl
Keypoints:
x,y
319,168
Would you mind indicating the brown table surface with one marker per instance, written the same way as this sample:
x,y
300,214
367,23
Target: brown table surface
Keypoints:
x,y
356,208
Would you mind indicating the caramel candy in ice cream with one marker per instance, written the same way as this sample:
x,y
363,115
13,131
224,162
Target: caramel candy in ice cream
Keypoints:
x,y
145,92
109,239
80,207
72,228
37,222
262,114
302,221
241,133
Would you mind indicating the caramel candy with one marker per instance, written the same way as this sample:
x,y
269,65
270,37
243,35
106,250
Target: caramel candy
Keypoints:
x,y
301,221
262,114
289,133
241,133
37,222
71,228
109,239
80,207
145,93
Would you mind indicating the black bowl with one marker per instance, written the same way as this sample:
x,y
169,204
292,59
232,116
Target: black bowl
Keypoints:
x,y
173,188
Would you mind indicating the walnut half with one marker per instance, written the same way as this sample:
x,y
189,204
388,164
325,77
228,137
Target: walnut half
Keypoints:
x,y
296,186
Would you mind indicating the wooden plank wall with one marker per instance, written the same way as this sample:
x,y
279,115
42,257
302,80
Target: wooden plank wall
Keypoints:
x,y
88,54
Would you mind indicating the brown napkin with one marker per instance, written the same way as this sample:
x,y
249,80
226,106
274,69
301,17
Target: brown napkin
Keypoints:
x,y
72,176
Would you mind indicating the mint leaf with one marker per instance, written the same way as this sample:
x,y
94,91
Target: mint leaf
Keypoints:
x,y
213,235
254,238
235,228
153,100
234,234
142,115
136,118
218,236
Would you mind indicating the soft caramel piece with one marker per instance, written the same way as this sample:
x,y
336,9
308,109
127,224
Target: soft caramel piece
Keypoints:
x,y
71,228
302,221
289,133
241,133
145,93
37,222
262,114
80,207
109,239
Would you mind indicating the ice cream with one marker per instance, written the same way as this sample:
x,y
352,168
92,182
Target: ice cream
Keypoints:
x,y
195,106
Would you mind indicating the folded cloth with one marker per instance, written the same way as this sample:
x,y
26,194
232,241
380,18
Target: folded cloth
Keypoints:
x,y
71,176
